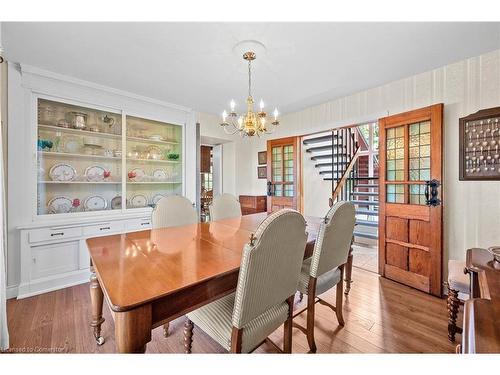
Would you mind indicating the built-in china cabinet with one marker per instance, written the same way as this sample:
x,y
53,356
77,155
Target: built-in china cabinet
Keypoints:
x,y
92,162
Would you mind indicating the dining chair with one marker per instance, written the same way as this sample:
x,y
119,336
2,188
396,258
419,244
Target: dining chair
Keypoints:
x,y
325,268
267,281
224,206
458,282
173,211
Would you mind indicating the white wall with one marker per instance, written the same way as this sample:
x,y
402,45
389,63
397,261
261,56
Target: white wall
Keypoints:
x,y
472,209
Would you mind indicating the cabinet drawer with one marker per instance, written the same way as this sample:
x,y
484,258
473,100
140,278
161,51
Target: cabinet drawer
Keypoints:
x,y
53,259
47,234
103,228
139,224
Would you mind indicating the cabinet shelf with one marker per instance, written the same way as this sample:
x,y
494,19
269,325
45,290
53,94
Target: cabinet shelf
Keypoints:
x,y
148,140
69,155
81,182
154,161
76,131
153,182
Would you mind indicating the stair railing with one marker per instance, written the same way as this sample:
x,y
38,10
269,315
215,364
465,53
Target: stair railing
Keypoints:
x,y
345,153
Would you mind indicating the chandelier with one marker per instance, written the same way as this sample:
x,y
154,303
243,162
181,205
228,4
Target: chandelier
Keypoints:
x,y
251,123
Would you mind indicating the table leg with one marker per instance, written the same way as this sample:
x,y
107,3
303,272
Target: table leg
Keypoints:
x,y
133,329
96,297
348,272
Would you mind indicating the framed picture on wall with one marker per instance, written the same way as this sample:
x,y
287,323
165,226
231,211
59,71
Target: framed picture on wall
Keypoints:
x,y
262,172
262,156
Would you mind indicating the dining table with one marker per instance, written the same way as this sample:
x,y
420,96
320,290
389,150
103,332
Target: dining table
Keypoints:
x,y
151,277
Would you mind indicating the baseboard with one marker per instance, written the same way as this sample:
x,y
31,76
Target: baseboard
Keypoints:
x,y
11,291
49,284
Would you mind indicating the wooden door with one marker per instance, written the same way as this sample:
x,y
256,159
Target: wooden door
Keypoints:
x,y
283,173
410,218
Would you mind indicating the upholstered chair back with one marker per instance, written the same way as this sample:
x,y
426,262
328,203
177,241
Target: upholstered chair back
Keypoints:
x,y
334,239
270,265
224,206
173,211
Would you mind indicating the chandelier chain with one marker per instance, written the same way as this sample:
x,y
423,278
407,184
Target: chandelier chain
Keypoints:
x,y
249,78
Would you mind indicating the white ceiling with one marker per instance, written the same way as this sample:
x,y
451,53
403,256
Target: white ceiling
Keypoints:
x,y
192,64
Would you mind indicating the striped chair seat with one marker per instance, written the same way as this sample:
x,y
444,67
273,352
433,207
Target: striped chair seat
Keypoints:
x,y
215,320
325,282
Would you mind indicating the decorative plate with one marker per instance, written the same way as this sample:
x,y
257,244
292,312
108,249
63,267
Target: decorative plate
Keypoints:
x,y
62,172
154,152
136,174
138,200
159,175
59,205
95,173
156,198
116,202
95,203
71,144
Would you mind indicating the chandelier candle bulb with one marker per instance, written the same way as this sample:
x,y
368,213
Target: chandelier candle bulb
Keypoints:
x,y
252,122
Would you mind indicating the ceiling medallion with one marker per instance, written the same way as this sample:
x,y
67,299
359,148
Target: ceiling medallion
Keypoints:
x,y
251,123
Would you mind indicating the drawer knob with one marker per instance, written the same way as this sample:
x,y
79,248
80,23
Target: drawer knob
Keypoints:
x,y
57,234
105,228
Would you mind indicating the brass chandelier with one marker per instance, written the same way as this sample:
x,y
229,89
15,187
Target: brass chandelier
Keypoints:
x,y
251,123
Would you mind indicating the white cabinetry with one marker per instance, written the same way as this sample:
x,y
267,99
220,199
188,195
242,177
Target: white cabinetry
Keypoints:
x,y
136,149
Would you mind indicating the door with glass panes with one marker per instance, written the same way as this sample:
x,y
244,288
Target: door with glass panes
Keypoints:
x,y
410,218
283,174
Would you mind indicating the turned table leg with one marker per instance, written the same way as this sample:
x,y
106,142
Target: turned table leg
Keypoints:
x,y
165,329
348,272
188,335
96,297
453,305
133,329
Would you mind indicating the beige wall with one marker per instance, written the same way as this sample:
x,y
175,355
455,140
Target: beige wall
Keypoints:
x,y
472,209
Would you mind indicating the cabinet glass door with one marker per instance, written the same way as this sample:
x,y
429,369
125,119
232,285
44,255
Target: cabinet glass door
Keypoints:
x,y
153,161
79,157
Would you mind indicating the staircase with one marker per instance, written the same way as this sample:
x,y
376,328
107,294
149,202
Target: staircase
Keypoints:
x,y
337,157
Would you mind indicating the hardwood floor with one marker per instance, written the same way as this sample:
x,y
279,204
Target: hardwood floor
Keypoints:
x,y
381,316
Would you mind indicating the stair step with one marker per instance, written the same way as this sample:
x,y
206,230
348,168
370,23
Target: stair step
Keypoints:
x,y
365,203
326,156
367,223
319,165
330,171
365,193
366,185
373,236
367,212
324,138
365,178
324,148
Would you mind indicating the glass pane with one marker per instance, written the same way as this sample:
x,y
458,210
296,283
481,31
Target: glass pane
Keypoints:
x,y
278,190
153,161
288,191
79,159
419,162
417,194
395,154
277,171
395,193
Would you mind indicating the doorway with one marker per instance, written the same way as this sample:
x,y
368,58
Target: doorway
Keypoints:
x,y
326,158
210,177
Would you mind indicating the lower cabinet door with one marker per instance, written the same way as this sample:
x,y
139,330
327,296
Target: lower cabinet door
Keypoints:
x,y
53,259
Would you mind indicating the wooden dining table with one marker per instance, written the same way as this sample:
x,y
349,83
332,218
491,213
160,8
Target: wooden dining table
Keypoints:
x,y
151,277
